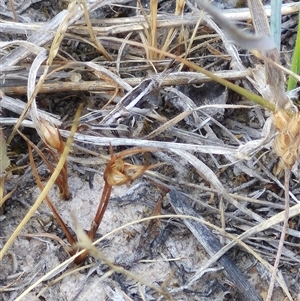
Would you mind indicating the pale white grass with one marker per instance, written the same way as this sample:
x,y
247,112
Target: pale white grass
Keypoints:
x,y
17,106
47,31
137,23
92,140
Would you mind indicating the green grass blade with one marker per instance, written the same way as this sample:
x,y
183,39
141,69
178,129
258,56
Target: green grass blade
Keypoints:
x,y
276,22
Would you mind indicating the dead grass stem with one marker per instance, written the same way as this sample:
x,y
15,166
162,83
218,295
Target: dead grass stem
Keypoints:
x,y
154,39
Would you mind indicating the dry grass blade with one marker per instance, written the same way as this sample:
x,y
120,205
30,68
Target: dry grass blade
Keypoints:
x,y
94,39
208,149
172,31
32,89
2,198
276,65
62,28
32,94
153,27
168,124
71,12
146,36
286,144
212,245
40,185
39,38
132,24
103,73
38,61
47,187
4,164
192,39
250,95
294,211
245,198
12,5
4,160
273,76
95,252
17,106
206,173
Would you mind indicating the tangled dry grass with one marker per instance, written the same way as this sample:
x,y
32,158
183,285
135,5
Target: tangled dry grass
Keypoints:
x,y
205,225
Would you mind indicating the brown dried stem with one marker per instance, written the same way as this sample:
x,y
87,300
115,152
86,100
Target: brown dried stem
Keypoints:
x,y
117,172
100,211
62,224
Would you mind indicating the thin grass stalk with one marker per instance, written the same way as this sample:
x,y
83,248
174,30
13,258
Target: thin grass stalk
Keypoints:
x,y
59,219
182,44
94,39
47,187
182,47
96,222
283,232
51,168
4,160
153,28
172,31
100,211
4,198
12,6
59,179
248,94
147,30
59,35
51,136
64,172
189,46
2,182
